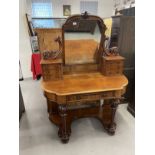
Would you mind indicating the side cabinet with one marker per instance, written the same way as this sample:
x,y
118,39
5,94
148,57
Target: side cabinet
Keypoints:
x,y
52,69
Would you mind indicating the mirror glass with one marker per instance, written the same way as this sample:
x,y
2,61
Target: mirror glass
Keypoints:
x,y
81,41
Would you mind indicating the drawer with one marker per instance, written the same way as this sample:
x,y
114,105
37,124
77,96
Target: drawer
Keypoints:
x,y
83,97
112,66
90,96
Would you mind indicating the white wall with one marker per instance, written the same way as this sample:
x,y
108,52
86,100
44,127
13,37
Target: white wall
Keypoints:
x,y
24,41
28,3
105,7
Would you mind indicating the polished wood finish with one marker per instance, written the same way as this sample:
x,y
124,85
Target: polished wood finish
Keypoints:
x,y
84,26
80,68
64,114
84,83
65,97
46,38
52,70
75,90
80,51
113,65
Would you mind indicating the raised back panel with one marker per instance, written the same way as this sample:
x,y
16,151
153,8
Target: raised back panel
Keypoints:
x,y
46,39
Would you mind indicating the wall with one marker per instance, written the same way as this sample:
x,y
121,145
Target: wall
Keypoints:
x,y
28,6
105,7
24,41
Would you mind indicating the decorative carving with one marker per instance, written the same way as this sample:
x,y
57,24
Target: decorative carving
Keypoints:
x,y
54,54
69,112
59,40
66,105
112,126
111,52
87,18
85,15
47,55
64,129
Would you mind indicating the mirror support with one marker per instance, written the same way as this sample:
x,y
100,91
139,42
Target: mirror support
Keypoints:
x,y
73,22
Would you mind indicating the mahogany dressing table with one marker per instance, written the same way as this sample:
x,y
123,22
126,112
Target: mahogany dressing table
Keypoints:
x,y
80,74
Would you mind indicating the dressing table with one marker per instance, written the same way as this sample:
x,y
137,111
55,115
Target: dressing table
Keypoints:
x,y
82,78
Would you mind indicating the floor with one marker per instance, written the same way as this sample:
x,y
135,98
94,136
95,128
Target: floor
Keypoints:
x,y
38,136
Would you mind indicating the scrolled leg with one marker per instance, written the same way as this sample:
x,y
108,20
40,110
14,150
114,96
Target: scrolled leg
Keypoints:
x,y
112,126
64,128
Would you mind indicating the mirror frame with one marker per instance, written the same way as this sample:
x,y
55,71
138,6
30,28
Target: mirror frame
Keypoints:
x,y
76,18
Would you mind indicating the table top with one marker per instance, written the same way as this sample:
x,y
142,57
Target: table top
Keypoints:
x,y
84,83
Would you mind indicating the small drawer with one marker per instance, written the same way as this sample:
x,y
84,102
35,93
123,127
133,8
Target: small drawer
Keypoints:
x,y
112,66
90,97
52,72
83,97
107,94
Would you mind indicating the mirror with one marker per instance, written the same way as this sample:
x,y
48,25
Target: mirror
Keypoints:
x,y
81,42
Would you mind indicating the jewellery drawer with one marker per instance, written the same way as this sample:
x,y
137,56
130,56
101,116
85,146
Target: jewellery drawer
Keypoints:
x,y
112,65
51,72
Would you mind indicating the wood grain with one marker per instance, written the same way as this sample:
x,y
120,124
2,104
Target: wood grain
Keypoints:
x,y
112,65
84,83
46,38
80,51
74,90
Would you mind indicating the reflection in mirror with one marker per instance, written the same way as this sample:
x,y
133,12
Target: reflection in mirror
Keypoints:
x,y
82,43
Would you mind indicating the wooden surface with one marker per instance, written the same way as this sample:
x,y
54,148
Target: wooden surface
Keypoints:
x,y
46,38
84,26
112,65
84,83
114,58
54,61
80,51
80,68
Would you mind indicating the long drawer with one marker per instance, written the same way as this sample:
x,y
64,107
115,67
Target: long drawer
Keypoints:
x,y
93,96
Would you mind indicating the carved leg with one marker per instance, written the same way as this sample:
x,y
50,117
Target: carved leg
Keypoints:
x,y
112,127
64,128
